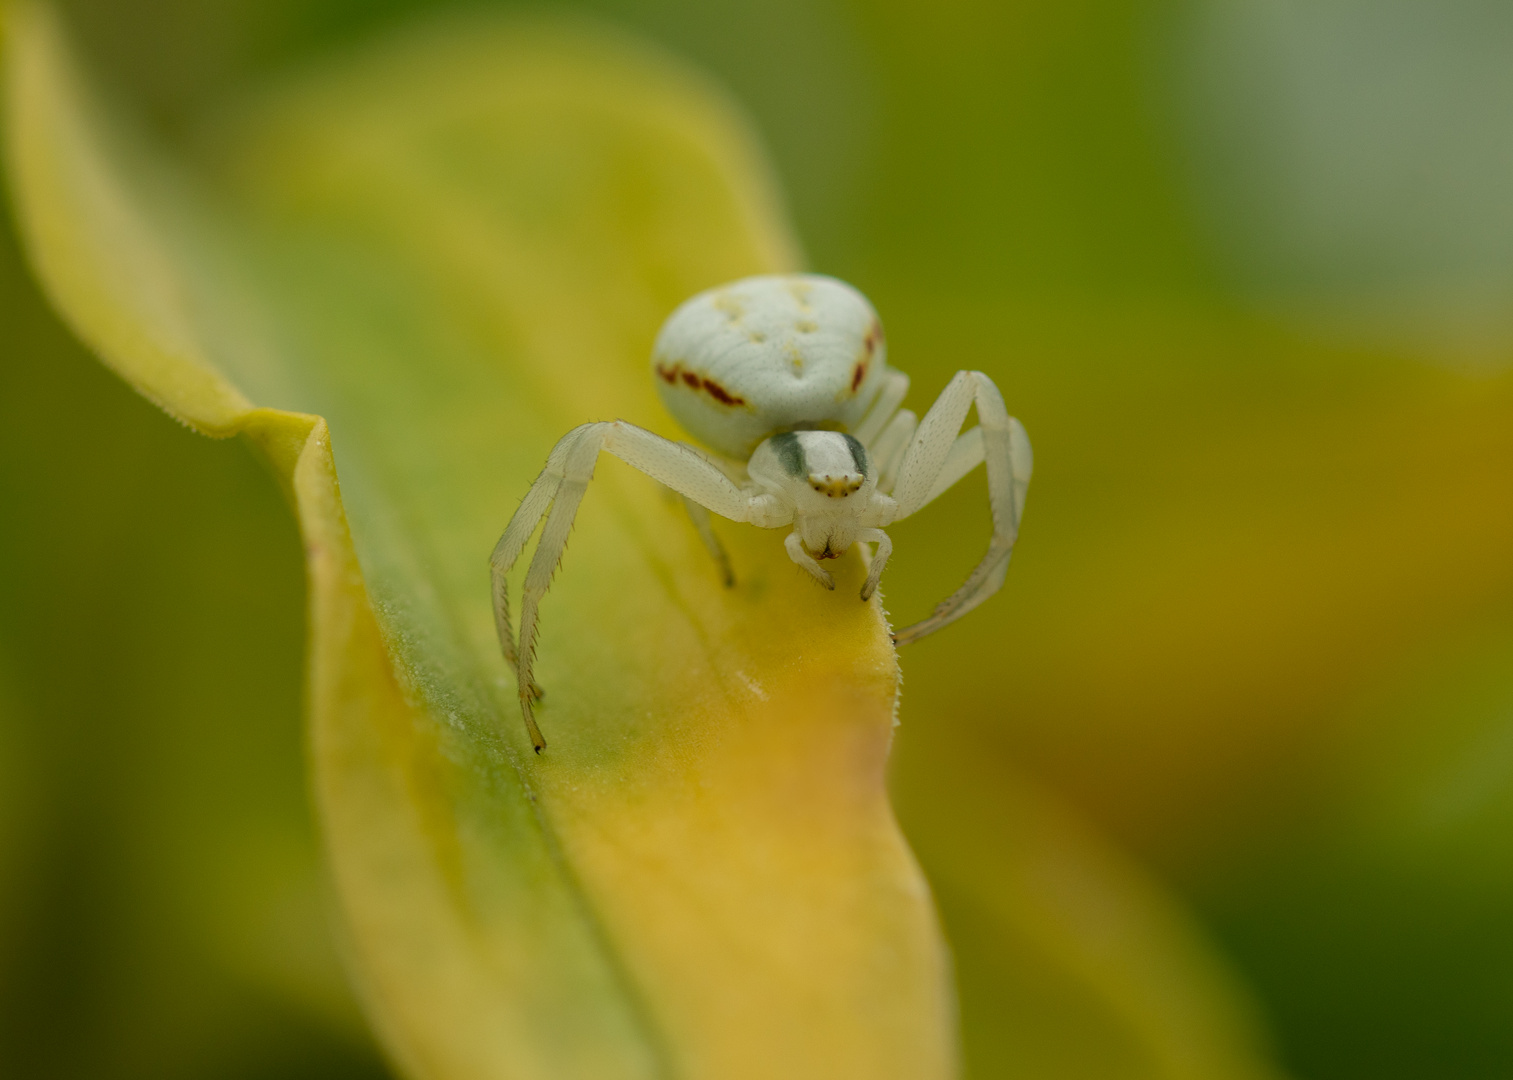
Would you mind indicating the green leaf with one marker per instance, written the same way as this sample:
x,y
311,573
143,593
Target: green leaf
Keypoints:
x,y
423,264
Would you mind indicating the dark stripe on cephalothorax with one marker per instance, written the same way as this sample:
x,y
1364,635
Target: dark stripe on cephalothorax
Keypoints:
x,y
790,453
858,452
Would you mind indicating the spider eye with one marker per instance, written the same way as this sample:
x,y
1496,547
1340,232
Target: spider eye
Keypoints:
x,y
836,487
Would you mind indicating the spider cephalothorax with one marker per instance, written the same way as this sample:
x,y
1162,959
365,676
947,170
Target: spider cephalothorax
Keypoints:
x,y
785,378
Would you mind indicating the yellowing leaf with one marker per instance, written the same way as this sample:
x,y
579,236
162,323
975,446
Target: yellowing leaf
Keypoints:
x,y
452,249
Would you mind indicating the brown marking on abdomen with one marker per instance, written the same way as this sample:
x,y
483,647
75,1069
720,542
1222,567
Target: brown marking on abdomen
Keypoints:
x,y
694,381
720,394
858,373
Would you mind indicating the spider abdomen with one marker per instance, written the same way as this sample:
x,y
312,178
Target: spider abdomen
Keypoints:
x,y
766,354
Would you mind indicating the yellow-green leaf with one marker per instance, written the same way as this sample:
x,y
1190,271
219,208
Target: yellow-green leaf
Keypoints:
x,y
450,249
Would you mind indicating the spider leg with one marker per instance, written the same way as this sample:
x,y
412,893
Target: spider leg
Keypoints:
x,y
879,559
895,387
892,444
794,544
935,455
556,495
527,516
966,454
699,515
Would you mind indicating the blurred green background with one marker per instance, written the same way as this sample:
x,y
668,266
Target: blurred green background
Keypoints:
x,y
1244,269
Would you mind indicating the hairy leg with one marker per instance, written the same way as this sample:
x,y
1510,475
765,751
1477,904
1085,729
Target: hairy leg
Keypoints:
x,y
934,453
967,452
556,495
522,525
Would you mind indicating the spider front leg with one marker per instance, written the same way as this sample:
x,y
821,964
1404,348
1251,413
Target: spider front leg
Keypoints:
x,y
526,517
937,458
556,495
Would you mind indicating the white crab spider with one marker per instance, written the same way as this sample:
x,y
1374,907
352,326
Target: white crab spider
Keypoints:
x,y
785,377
